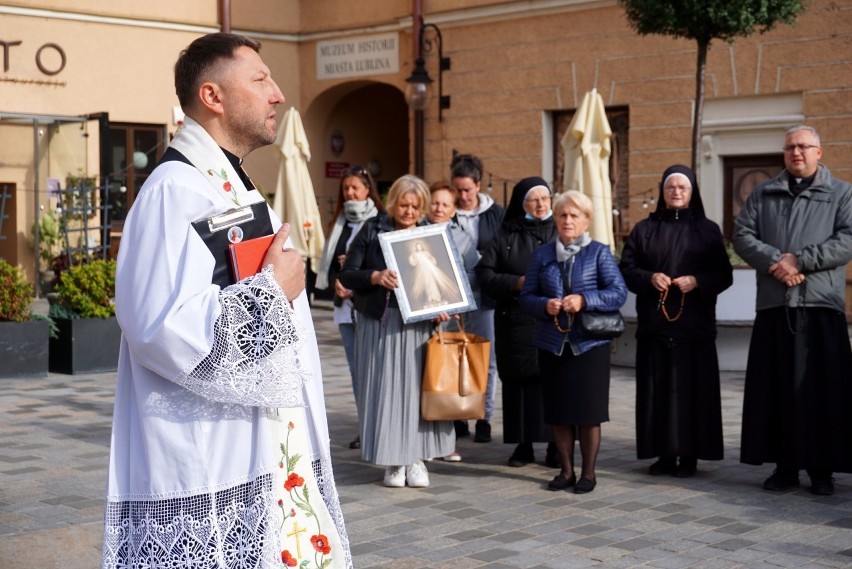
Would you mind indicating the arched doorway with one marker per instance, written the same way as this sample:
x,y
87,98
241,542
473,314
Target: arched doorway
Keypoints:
x,y
357,123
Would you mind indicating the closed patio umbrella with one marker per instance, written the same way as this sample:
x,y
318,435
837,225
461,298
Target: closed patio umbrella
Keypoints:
x,y
295,201
586,147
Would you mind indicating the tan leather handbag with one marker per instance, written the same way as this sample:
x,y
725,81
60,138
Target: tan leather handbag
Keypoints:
x,y
455,376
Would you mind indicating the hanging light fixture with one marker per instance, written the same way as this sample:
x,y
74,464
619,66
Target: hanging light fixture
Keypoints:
x,y
417,90
419,82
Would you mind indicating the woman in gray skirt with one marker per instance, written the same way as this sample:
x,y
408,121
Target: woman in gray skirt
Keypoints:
x,y
389,355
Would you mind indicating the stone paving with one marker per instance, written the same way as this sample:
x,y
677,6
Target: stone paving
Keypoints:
x,y
54,444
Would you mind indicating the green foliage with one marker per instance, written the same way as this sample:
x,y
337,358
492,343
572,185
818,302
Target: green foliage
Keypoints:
x,y
736,260
706,20
16,293
52,327
49,239
86,291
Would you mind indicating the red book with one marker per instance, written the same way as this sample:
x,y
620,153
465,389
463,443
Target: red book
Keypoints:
x,y
247,256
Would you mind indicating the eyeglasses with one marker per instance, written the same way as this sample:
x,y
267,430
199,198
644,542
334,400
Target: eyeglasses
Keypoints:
x,y
800,147
545,199
354,171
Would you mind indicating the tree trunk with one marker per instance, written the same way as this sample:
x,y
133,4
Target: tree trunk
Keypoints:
x,y
703,46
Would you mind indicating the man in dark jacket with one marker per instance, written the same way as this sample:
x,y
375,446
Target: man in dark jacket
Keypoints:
x,y
796,231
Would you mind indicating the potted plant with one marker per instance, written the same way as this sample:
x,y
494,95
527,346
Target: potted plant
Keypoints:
x,y
49,247
23,335
88,335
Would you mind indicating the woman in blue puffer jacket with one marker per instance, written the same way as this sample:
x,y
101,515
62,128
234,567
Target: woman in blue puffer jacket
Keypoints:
x,y
574,274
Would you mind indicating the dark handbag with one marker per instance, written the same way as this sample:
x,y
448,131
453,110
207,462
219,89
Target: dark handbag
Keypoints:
x,y
600,325
593,324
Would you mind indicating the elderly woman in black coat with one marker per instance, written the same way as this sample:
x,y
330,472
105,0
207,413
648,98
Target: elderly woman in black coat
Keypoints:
x,y
528,223
675,261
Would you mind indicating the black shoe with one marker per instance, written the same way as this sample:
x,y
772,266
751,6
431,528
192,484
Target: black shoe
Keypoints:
x,y
686,468
585,485
356,443
462,430
782,479
559,482
822,486
482,431
666,465
551,459
522,456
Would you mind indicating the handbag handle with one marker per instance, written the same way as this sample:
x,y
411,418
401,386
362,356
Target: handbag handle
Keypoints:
x,y
464,364
460,321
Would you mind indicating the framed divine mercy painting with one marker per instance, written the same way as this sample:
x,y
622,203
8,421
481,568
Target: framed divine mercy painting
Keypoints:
x,y
431,274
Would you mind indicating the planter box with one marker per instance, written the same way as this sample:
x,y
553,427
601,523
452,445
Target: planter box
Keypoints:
x,y
85,345
24,348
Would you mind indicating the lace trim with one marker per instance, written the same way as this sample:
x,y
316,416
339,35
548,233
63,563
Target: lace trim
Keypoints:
x,y
256,355
324,476
234,527
217,529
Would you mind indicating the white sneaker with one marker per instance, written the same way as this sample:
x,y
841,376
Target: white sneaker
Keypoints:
x,y
454,457
417,475
395,476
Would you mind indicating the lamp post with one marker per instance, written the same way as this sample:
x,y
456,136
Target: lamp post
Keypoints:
x,y
417,92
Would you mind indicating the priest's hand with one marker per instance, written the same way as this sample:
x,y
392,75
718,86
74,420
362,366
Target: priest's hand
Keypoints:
x,y
288,264
786,267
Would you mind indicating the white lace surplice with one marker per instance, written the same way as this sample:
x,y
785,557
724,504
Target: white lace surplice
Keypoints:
x,y
196,472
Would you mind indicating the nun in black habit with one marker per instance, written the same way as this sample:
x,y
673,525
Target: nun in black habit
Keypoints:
x,y
676,264
528,224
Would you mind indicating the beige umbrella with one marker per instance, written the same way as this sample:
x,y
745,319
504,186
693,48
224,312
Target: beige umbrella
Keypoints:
x,y
295,201
586,147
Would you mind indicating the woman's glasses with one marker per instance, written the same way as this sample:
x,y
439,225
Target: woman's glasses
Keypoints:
x,y
359,171
542,200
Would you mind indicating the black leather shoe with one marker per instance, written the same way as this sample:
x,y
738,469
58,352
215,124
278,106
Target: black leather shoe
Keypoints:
x,y
687,467
482,431
522,455
462,429
585,485
356,443
559,482
782,479
822,486
551,459
666,465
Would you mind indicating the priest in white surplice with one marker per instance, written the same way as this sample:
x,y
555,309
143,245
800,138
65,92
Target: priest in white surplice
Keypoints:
x,y
220,454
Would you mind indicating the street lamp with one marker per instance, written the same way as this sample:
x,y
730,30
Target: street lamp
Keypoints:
x,y
417,90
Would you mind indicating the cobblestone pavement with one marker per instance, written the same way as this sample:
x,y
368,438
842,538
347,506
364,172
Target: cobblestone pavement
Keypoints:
x,y
54,444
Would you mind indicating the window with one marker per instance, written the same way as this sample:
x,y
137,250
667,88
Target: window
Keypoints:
x,y
742,174
134,152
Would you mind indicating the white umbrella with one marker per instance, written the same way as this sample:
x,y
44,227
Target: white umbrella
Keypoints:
x,y
586,147
295,201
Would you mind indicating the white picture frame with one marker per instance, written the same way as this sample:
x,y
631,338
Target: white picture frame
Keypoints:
x,y
430,272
